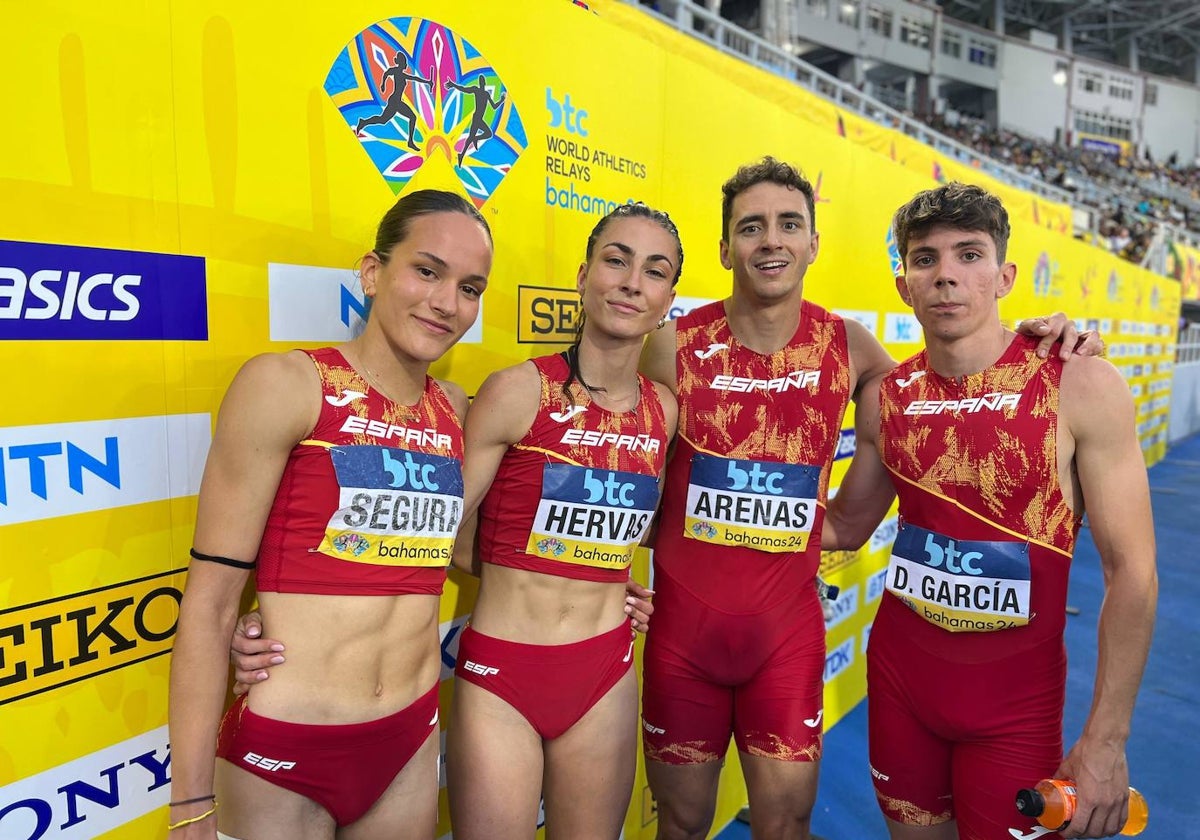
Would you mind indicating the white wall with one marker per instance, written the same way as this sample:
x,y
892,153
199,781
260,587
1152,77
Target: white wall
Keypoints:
x,y
1101,101
1185,403
1172,125
826,31
1029,101
961,69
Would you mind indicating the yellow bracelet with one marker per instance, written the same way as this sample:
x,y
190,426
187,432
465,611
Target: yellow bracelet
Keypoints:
x,y
203,816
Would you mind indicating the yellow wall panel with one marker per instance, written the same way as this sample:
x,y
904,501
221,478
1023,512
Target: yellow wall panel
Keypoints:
x,y
200,145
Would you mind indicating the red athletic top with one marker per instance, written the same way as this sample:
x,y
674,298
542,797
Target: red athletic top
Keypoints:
x,y
576,494
370,503
986,537
746,487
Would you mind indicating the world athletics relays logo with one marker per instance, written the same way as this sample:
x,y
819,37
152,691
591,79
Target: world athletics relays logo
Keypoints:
x,y
410,87
893,250
1043,275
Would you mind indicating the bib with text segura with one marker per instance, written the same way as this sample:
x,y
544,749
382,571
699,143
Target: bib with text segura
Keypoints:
x,y
960,585
763,505
395,507
592,517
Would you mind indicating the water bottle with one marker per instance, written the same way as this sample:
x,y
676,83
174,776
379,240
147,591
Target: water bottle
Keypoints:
x,y
1052,803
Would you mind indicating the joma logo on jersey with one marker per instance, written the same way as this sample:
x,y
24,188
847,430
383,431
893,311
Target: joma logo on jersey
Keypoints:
x,y
567,413
347,396
388,431
971,405
272,764
634,443
746,385
481,670
54,643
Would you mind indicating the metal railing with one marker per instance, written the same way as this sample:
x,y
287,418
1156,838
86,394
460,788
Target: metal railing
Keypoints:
x,y
1187,351
731,39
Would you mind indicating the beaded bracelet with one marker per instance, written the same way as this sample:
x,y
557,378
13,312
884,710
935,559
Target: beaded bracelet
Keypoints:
x,y
203,816
190,801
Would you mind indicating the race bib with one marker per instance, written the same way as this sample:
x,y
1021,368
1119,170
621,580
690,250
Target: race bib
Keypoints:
x,y
757,504
396,508
592,517
960,585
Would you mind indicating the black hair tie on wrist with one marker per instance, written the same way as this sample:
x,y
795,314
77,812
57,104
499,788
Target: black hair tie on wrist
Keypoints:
x,y
224,561
190,801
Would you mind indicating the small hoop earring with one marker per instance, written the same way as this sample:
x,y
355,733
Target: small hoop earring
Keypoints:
x,y
662,322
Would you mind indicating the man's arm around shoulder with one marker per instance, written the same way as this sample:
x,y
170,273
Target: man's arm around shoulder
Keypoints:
x,y
866,491
658,357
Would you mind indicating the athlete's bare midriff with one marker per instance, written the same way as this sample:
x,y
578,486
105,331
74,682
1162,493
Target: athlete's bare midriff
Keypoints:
x,y
543,609
349,658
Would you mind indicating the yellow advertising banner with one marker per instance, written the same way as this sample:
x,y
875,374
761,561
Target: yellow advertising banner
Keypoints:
x,y
190,183
1183,263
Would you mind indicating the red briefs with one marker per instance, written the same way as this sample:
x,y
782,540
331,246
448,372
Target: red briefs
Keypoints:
x,y
344,768
759,677
552,686
958,743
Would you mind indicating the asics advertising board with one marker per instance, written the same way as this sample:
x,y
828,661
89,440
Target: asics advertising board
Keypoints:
x,y
65,292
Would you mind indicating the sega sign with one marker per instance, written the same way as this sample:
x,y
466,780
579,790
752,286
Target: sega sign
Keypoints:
x,y
66,292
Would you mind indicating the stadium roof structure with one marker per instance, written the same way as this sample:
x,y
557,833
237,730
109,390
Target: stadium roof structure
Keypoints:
x,y
1155,36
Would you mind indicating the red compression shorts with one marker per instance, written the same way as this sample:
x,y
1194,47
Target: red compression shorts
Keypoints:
x,y
343,768
953,740
552,686
709,675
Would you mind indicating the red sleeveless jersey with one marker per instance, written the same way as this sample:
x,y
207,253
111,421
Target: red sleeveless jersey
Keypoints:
x,y
746,487
576,494
371,502
980,564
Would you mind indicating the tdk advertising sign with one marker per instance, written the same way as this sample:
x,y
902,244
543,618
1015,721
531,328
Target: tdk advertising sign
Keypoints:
x,y
64,292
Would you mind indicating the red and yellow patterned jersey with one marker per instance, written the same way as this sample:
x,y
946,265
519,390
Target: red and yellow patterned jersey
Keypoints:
x,y
371,502
980,564
576,494
746,486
